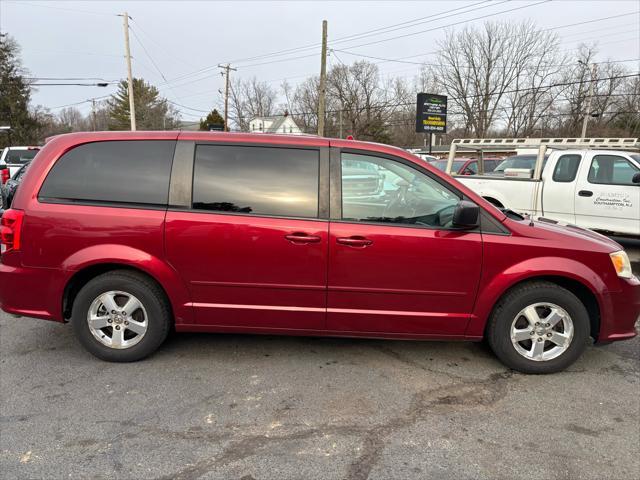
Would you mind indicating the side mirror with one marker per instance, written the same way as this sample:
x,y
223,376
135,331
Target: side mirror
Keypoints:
x,y
466,215
636,178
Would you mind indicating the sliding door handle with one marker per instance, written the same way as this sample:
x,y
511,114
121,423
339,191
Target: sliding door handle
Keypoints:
x,y
302,238
585,193
355,241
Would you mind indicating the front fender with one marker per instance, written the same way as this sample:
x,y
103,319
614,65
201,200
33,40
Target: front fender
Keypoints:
x,y
158,269
531,269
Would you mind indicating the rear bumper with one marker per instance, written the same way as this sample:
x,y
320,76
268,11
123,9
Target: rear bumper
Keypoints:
x,y
31,292
620,312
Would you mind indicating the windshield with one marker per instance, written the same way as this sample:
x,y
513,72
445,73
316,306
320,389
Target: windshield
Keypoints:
x,y
20,156
442,165
519,161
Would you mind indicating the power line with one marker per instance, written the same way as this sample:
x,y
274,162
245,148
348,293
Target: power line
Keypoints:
x,y
299,49
517,90
449,25
90,12
79,103
71,78
364,34
155,65
187,107
585,22
101,84
164,48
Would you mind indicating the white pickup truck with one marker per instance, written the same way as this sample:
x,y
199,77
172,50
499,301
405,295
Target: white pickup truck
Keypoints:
x,y
596,188
13,158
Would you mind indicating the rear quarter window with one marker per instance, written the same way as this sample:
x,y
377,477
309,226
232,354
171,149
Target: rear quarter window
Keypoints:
x,y
119,172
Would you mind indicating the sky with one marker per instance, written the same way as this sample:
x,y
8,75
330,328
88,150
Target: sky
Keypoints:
x,y
178,45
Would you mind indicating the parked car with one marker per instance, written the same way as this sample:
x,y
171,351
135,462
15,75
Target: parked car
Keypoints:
x,y
128,234
361,180
12,158
8,190
523,161
467,166
596,189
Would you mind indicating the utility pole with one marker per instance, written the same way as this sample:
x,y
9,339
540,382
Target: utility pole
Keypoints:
x,y
323,80
93,114
340,116
227,68
127,52
587,114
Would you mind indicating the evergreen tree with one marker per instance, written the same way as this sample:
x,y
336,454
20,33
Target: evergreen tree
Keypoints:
x,y
15,94
212,119
153,112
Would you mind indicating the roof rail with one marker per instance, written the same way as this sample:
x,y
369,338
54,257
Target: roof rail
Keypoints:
x,y
479,143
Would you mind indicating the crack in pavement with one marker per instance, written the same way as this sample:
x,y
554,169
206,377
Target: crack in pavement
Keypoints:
x,y
466,394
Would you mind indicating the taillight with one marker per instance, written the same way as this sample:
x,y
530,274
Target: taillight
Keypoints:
x,y
4,175
10,229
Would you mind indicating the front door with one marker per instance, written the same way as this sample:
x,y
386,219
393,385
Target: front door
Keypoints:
x,y
396,265
606,197
253,248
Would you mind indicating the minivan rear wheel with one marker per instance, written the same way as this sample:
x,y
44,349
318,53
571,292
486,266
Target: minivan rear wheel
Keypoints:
x,y
121,316
538,327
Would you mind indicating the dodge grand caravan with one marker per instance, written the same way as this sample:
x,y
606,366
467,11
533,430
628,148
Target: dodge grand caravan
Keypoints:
x,y
127,235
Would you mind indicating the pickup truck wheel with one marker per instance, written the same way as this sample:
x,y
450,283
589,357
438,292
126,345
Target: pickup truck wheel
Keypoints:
x,y
538,327
121,316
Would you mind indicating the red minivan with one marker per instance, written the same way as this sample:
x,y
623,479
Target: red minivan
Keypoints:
x,y
127,235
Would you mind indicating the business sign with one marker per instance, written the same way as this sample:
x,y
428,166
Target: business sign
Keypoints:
x,y
431,113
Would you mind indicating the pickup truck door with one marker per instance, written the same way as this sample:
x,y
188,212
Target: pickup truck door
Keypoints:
x,y
606,198
559,187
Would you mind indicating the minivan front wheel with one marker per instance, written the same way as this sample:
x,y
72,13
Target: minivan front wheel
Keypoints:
x,y
121,316
538,327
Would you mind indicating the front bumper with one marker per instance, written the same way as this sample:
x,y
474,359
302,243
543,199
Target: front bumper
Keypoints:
x,y
620,312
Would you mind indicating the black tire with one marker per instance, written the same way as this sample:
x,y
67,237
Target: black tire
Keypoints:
x,y
508,307
147,291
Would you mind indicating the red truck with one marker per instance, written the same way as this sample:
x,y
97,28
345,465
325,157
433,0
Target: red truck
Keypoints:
x,y
127,235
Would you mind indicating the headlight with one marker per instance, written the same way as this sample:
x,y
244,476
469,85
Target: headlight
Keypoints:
x,y
621,263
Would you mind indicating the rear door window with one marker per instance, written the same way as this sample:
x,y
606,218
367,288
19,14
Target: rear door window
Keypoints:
x,y
272,181
566,168
119,172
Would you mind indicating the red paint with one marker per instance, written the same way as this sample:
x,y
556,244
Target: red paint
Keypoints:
x,y
242,273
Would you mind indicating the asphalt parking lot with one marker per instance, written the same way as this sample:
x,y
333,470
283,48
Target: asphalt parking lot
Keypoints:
x,y
262,407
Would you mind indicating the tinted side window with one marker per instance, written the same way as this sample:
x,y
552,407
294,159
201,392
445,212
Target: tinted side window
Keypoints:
x,y
490,165
566,168
256,180
391,192
472,168
130,172
611,170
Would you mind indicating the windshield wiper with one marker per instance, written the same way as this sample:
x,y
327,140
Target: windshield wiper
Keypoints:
x,y
511,214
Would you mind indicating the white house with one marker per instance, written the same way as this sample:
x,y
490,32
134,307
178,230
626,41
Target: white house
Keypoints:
x,y
276,124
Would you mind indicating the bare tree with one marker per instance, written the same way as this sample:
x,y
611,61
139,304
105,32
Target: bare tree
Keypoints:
x,y
304,104
71,120
248,99
478,67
